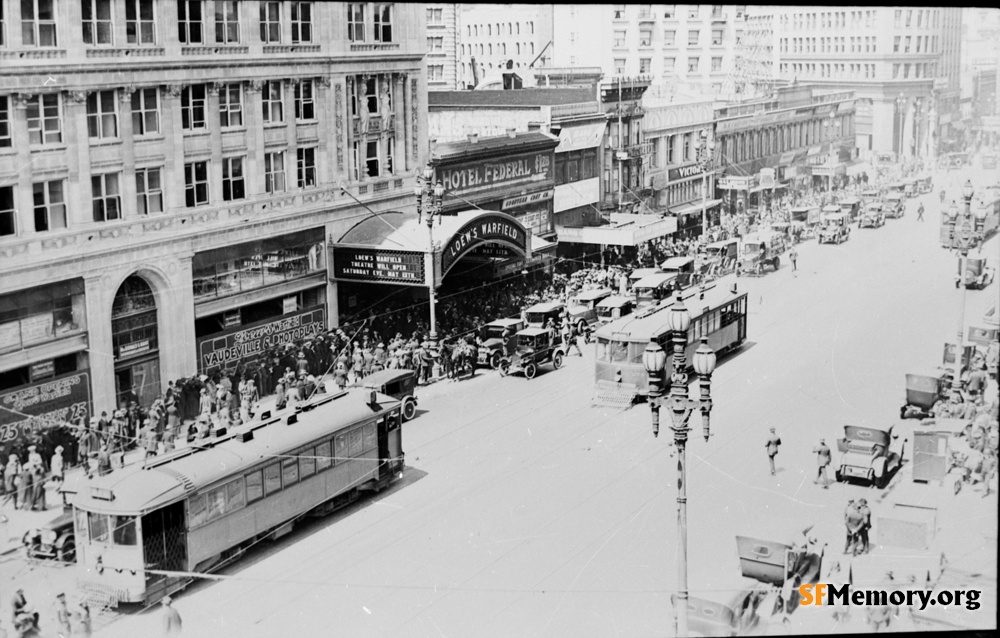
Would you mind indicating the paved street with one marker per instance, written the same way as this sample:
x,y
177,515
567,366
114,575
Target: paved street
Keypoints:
x,y
526,512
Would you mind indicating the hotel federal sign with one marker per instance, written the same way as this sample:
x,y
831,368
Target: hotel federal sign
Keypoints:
x,y
488,228
497,174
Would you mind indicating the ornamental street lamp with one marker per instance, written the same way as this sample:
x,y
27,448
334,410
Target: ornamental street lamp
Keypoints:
x,y
429,195
704,155
681,406
961,239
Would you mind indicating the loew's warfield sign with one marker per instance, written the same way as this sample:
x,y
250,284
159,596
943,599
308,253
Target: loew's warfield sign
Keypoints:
x,y
495,228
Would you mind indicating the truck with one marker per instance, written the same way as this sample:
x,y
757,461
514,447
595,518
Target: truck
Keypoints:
x,y
761,250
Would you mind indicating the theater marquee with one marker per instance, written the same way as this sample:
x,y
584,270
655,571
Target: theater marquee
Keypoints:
x,y
490,228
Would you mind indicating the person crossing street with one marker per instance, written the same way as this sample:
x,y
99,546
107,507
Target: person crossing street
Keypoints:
x,y
569,338
772,448
823,457
920,212
794,257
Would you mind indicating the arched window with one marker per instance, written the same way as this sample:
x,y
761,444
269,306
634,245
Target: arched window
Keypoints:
x,y
510,29
531,28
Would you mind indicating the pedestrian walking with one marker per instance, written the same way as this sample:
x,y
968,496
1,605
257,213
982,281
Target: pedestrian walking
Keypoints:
x,y
794,256
772,444
866,524
823,458
569,338
11,476
920,212
853,521
171,619
64,628
82,617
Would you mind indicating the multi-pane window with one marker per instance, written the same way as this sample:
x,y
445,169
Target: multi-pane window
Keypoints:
x,y
435,45
669,64
716,65
7,219
196,184
435,16
96,16
50,205
645,37
382,23
669,37
145,114
227,21
230,105
233,185
270,22
148,191
435,73
193,107
620,39
356,21
693,37
274,172
189,21
302,28
5,138
271,102
107,197
645,65
38,23
305,164
693,65
619,66
716,37
305,108
44,126
140,26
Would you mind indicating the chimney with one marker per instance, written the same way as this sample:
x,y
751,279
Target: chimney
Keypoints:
x,y
473,138
511,133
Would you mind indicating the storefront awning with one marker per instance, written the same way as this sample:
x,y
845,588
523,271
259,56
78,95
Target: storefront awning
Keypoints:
x,y
624,230
541,245
695,207
579,137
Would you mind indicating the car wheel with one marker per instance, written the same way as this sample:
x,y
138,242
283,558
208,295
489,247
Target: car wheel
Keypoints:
x,y
759,269
409,409
68,552
557,360
495,360
530,371
776,263
504,367
581,327
837,475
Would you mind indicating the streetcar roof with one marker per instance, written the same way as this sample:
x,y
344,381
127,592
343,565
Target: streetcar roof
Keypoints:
x,y
137,490
639,327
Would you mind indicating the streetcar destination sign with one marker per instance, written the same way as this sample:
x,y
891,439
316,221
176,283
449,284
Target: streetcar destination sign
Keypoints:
x,y
371,264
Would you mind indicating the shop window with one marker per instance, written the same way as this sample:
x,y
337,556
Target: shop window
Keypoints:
x,y
41,314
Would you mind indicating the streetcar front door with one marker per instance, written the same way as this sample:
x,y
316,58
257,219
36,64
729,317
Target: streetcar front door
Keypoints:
x,y
164,544
385,464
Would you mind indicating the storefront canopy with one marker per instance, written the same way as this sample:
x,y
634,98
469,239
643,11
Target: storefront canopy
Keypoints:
x,y
695,207
624,230
579,137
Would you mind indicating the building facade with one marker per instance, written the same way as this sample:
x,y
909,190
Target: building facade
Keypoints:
x,y
981,69
170,173
681,46
903,62
442,46
492,35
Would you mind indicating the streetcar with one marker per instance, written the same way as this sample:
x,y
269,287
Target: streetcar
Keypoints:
x,y
143,531
718,311
986,216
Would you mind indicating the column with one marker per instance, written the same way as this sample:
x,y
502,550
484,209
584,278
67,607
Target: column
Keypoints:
x,y
101,348
291,130
255,139
910,114
125,133
178,347
215,135
332,305
78,191
24,203
325,113
173,149
402,159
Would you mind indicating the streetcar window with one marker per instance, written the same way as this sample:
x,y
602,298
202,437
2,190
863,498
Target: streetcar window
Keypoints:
x,y
307,462
255,486
98,527
215,501
234,495
290,471
323,456
272,478
370,439
124,530
618,351
602,349
340,448
197,512
636,350
356,442
81,525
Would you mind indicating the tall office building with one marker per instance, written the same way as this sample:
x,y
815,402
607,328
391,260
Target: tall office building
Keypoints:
x,y
902,63
172,175
442,46
981,67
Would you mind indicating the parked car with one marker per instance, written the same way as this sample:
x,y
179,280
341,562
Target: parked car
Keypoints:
x,y
719,258
873,217
851,206
835,229
535,347
923,390
894,205
865,455
761,250
682,267
871,195
52,541
614,307
582,308
652,288
538,315
497,341
399,384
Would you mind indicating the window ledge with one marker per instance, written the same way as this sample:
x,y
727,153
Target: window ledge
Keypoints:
x,y
291,48
120,52
33,54
215,50
377,46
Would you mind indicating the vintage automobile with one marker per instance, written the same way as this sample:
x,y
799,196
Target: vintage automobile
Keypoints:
x,y
640,273
399,384
894,205
737,609
683,268
809,214
925,184
851,206
783,228
874,217
492,334
760,250
538,315
652,288
719,258
835,229
978,274
582,308
53,541
923,390
614,307
865,455
871,195
535,347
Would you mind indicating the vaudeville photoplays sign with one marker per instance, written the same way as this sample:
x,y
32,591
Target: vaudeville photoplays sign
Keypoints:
x,y
32,410
245,343
484,229
369,264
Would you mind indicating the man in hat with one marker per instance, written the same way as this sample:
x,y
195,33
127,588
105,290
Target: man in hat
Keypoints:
x,y
823,457
62,616
302,364
853,520
171,619
866,524
773,441
104,461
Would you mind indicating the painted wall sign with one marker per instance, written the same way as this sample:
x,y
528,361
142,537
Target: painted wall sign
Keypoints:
x,y
483,175
526,200
486,228
370,264
31,411
683,172
228,348
731,183
132,349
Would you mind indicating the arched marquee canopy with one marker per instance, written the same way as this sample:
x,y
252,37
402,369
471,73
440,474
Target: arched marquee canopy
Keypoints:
x,y
392,247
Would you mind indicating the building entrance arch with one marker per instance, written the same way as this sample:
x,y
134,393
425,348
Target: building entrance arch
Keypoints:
x,y
135,340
